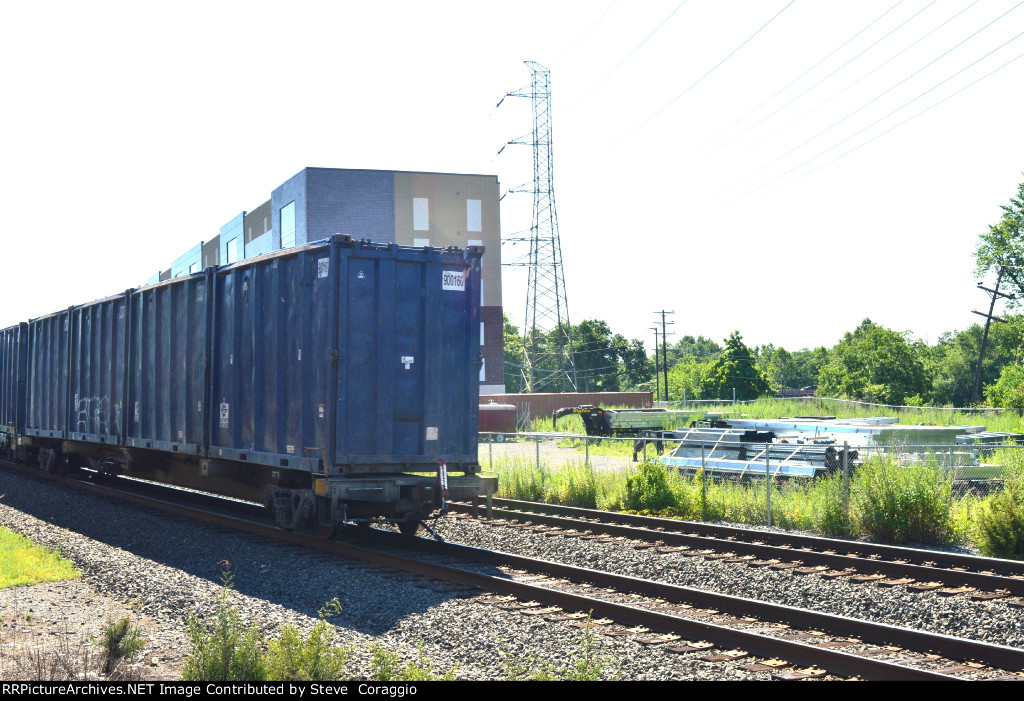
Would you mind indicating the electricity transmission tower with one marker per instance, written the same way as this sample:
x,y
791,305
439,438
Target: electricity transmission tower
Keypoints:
x,y
547,340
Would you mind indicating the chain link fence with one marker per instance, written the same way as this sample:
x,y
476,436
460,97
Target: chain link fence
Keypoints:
x,y
764,483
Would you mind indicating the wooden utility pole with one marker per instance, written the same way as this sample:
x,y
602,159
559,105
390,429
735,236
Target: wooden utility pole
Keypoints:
x,y
988,320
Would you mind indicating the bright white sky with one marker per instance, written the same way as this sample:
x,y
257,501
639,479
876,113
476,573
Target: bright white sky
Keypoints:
x,y
766,196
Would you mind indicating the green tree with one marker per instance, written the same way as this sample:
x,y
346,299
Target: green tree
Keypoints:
x,y
735,369
1003,244
596,356
689,378
808,364
1008,390
700,349
635,368
513,357
872,364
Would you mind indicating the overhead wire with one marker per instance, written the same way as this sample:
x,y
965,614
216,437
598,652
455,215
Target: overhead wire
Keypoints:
x,y
701,79
791,83
862,107
915,116
858,80
587,31
628,56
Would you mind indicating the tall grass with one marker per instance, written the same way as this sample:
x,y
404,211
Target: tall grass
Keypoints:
x,y
903,504
883,500
773,408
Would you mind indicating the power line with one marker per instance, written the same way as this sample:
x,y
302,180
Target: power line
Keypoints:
x,y
587,30
787,86
699,80
878,136
840,92
870,102
628,56
907,104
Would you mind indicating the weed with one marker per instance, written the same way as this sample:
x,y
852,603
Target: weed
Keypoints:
x,y
647,489
576,485
587,666
224,649
903,504
1000,520
387,666
290,658
120,642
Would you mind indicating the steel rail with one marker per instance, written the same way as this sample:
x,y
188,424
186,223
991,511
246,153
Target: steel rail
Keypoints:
x,y
796,541
794,652
835,561
869,631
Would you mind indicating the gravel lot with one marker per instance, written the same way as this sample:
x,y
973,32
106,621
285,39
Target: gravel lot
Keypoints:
x,y
159,568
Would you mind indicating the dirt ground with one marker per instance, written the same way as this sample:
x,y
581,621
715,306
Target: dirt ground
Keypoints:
x,y
52,631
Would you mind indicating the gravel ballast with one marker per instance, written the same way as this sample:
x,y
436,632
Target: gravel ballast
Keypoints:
x,y
158,569
991,621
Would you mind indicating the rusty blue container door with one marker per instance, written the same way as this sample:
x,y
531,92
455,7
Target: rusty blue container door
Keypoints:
x,y
13,372
98,341
408,358
48,376
167,365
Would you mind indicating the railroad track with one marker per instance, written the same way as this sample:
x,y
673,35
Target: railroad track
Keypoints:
x,y
868,563
792,643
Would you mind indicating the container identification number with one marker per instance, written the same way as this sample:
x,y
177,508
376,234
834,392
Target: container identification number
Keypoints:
x,y
453,280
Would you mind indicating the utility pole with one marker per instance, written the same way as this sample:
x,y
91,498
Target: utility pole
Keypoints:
x,y
664,347
657,378
995,294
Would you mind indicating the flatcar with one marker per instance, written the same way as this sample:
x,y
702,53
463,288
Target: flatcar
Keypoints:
x,y
334,382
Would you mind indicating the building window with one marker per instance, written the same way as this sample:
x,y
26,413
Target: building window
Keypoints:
x,y
420,214
233,251
420,243
483,370
194,268
474,220
288,225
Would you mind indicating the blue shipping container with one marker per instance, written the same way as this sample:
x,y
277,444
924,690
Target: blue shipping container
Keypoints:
x,y
167,365
350,356
13,373
97,343
48,375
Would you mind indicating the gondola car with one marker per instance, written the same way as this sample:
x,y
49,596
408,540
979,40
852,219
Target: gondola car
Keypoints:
x,y
334,382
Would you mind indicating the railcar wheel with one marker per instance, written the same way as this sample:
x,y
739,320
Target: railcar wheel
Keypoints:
x,y
408,527
326,532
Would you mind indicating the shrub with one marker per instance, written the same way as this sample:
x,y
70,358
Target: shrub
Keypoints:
x,y
121,641
224,649
647,489
898,504
387,666
1000,521
290,658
